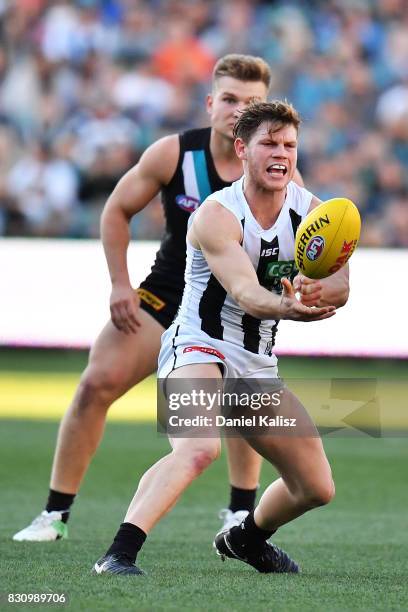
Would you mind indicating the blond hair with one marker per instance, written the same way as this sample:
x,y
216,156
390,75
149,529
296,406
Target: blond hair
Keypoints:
x,y
243,68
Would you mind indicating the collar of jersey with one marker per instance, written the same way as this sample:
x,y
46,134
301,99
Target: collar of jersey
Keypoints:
x,y
259,228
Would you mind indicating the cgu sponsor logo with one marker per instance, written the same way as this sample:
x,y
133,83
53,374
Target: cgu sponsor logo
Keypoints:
x,y
187,203
346,252
311,229
279,269
315,248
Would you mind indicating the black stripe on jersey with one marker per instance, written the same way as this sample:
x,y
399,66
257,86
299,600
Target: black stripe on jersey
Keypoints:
x,y
210,307
243,229
295,219
174,347
273,337
250,324
252,338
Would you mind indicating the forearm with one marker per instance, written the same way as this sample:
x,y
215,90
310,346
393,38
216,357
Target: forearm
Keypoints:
x,y
115,234
335,291
259,302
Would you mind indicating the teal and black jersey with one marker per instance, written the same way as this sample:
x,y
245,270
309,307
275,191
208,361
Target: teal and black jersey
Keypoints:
x,y
194,180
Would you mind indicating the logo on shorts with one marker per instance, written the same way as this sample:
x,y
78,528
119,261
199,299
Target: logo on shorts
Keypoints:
x,y
315,248
151,299
187,203
204,349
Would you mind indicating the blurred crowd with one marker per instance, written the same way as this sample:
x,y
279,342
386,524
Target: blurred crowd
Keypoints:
x,y
86,85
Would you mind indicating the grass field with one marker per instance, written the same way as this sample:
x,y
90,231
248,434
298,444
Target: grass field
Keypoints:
x,y
353,553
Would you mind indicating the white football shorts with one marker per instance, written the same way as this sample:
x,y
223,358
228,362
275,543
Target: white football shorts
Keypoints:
x,y
183,345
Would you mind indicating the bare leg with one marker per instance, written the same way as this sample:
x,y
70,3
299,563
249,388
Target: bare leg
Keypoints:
x,y
117,362
306,480
162,485
244,464
306,483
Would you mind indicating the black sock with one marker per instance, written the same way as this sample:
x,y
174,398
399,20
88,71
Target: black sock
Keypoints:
x,y
128,540
60,502
242,499
249,534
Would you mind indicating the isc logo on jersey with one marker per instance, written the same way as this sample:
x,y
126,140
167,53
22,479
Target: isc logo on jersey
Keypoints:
x,y
187,203
270,252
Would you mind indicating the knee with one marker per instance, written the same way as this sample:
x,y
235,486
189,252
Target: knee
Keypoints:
x,y
201,457
319,493
97,388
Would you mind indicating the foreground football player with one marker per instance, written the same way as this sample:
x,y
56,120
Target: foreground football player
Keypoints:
x,y
230,310
186,168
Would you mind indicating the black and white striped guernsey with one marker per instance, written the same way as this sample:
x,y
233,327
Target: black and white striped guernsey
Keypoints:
x,y
206,306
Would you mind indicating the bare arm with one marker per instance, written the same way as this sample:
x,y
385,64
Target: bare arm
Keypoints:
x,y
331,290
132,193
217,233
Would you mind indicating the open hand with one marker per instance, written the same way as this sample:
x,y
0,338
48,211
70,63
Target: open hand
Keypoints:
x,y
297,310
310,290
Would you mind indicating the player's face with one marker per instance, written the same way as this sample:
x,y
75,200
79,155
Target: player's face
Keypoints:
x,y
270,157
230,97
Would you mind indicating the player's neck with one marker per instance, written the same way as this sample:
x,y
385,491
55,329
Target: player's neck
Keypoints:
x,y
265,205
228,166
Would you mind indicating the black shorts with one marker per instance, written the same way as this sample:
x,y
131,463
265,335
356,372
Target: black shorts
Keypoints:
x,y
159,298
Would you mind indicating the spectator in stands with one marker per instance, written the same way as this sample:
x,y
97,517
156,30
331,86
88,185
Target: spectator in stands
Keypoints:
x,y
99,80
44,187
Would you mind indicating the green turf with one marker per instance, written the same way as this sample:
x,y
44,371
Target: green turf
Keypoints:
x,y
40,384
43,360
353,552
68,361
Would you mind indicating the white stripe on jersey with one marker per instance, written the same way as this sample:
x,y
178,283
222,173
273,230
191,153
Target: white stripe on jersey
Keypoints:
x,y
207,307
189,174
